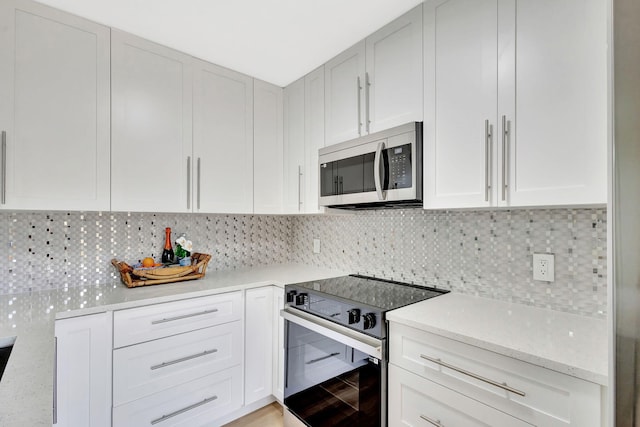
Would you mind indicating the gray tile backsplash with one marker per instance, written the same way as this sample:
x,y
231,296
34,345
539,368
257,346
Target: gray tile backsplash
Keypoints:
x,y
486,253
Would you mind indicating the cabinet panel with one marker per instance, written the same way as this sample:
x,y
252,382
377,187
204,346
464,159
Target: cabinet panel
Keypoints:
x,y
294,147
557,111
550,398
151,142
344,80
222,140
460,101
137,325
268,148
414,401
314,136
83,371
193,404
258,344
54,82
143,369
278,344
394,73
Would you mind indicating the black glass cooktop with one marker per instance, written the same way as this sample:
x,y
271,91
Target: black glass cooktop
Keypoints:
x,y
384,295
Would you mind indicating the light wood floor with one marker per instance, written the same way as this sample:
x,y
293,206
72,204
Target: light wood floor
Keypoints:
x,y
269,416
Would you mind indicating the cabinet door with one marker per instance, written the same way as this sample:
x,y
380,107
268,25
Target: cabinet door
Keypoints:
x,y
553,95
278,343
258,369
460,102
267,148
54,114
344,80
151,126
313,137
294,164
82,385
393,80
222,140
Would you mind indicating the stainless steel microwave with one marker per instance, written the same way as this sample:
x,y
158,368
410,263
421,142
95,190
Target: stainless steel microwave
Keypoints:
x,y
379,170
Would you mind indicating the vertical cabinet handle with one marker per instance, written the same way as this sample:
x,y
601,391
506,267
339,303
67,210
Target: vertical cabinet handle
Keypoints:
x,y
488,135
55,380
3,196
188,182
367,85
299,188
198,182
505,136
359,106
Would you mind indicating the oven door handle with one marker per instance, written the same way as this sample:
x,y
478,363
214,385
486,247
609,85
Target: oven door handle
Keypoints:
x,y
377,177
364,343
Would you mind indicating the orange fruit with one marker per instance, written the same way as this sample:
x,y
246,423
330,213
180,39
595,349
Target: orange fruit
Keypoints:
x,y
148,262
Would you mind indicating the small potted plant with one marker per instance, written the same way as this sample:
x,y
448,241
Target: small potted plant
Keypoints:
x,y
183,250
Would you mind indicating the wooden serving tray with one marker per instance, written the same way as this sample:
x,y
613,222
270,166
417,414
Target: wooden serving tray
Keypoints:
x,y
155,276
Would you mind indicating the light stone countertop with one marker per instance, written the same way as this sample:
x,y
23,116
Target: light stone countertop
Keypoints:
x,y
26,388
563,342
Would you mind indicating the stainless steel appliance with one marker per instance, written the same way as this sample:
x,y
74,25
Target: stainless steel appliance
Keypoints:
x,y
383,169
336,348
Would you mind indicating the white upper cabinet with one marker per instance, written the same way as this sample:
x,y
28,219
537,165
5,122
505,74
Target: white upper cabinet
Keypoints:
x,y
267,148
313,137
151,141
344,80
515,103
54,114
376,84
222,140
393,80
553,95
294,147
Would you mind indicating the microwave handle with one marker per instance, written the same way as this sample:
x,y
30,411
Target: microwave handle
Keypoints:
x,y
377,176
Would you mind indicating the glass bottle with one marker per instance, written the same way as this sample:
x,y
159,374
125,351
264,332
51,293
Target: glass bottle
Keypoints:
x,y
167,253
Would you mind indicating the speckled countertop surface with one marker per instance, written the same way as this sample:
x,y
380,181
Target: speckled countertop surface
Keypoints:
x,y
26,388
563,342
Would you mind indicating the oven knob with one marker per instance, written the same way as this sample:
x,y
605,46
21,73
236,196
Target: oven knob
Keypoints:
x,y
354,316
291,296
300,299
369,320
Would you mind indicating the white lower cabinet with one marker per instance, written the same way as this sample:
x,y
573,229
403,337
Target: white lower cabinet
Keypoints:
x,y
195,403
278,344
258,343
415,401
82,382
452,373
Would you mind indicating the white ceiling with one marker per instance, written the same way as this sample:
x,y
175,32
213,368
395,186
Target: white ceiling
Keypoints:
x,y
274,40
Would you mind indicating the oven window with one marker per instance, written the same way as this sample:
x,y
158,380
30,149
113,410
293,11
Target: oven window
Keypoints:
x,y
328,383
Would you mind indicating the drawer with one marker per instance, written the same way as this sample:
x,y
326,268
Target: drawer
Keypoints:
x,y
193,404
550,398
142,324
415,401
143,369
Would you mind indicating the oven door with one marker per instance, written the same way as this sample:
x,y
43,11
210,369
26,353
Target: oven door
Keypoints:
x,y
334,376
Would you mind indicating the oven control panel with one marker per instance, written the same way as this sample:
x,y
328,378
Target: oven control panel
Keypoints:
x,y
346,313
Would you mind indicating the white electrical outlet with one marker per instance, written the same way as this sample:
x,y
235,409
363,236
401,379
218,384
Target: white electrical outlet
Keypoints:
x,y
316,246
543,267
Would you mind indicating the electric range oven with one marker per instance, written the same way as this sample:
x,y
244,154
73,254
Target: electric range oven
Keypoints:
x,y
336,348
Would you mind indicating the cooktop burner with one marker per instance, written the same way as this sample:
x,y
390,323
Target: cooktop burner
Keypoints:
x,y
358,302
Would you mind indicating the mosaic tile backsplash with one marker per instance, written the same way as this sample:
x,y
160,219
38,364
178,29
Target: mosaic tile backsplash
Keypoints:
x,y
485,253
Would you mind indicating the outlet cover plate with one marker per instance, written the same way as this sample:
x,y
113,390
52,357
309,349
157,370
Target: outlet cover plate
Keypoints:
x,y
316,246
544,267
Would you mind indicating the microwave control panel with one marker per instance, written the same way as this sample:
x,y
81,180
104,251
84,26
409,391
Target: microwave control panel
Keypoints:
x,y
399,166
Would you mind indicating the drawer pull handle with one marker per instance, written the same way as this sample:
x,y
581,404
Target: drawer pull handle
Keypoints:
x,y
431,421
183,359
184,316
472,375
322,358
183,410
